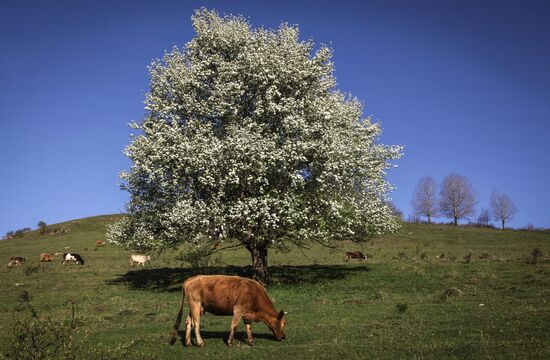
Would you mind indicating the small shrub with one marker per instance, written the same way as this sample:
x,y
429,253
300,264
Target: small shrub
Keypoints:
x,y
534,256
401,256
401,307
33,269
24,297
35,337
424,256
467,258
380,295
450,292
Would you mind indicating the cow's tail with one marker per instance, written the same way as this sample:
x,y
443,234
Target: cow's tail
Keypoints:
x,y
175,329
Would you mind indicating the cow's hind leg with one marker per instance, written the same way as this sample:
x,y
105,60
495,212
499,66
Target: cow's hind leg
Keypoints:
x,y
188,323
196,321
234,323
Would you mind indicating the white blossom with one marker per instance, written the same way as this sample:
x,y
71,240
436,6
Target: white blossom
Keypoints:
x,y
246,137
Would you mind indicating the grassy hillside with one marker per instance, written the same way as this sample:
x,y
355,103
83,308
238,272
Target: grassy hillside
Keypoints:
x,y
388,307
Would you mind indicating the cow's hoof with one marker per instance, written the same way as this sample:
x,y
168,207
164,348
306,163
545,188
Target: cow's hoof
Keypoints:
x,y
200,344
188,344
250,343
229,344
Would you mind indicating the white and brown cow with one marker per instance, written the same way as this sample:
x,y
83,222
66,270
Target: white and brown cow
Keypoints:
x,y
139,259
72,258
16,261
227,295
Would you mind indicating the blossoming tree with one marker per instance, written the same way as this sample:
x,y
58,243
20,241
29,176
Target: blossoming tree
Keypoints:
x,y
247,141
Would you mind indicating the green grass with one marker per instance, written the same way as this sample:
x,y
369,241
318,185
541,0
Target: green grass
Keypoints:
x,y
389,307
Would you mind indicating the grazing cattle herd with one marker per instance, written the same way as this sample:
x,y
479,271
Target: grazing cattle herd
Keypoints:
x,y
235,296
74,258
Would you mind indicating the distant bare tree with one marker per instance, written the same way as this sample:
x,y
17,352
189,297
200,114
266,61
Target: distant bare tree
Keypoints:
x,y
483,218
502,207
424,202
458,198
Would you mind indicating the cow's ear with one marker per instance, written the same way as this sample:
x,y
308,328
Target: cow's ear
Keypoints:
x,y
280,315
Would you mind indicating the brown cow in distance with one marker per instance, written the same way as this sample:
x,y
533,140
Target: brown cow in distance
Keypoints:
x,y
354,255
46,257
100,243
227,295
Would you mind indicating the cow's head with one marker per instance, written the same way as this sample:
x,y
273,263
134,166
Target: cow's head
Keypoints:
x,y
278,328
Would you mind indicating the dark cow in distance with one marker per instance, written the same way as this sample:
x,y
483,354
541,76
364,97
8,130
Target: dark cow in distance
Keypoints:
x,y
16,261
227,295
72,257
354,255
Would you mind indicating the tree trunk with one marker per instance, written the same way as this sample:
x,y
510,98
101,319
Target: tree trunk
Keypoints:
x,y
455,220
259,263
429,222
502,224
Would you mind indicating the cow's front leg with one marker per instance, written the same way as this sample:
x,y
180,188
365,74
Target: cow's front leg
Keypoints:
x,y
249,333
234,323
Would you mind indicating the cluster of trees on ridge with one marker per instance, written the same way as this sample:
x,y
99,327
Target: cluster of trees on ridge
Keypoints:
x,y
457,200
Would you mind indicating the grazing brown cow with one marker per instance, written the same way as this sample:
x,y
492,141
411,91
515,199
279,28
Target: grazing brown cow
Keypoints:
x,y
46,257
354,255
99,243
16,261
227,295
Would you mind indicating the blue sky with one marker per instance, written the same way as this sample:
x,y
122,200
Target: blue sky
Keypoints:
x,y
463,85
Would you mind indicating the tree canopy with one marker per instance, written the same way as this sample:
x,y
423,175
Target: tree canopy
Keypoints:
x,y
247,139
502,207
457,197
424,201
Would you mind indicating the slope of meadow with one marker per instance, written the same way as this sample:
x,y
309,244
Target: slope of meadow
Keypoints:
x,y
390,306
